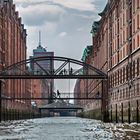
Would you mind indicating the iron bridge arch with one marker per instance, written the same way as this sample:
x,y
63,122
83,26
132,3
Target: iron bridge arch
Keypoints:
x,y
19,70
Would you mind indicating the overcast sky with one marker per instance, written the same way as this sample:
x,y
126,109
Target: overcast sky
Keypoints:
x,y
65,24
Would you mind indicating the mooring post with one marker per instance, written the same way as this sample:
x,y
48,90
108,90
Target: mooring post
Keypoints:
x,y
116,114
122,111
111,114
0,100
129,113
137,111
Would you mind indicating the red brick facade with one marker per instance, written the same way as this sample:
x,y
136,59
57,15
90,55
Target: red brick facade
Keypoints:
x,y
12,50
116,51
40,89
124,57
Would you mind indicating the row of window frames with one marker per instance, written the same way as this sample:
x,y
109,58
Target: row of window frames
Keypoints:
x,y
123,52
123,34
125,73
129,13
135,3
127,38
124,24
122,94
137,23
123,37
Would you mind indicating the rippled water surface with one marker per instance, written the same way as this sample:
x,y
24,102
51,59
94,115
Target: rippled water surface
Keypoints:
x,y
67,128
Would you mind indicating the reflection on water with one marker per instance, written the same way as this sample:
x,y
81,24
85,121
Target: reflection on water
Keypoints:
x,y
67,128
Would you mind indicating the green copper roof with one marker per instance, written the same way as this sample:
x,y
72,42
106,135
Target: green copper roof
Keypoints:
x,y
86,53
95,27
39,49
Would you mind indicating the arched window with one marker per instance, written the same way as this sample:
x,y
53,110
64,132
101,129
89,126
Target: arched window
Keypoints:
x,y
115,78
127,92
138,21
133,6
120,94
118,78
127,72
123,93
111,81
134,90
133,44
133,73
126,49
121,75
130,70
138,42
124,74
138,67
137,88
138,3
133,25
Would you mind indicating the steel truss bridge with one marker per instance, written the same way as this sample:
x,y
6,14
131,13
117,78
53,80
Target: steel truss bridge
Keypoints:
x,y
60,68
65,68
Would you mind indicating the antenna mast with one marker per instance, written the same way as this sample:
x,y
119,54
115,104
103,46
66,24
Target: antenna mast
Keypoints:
x,y
39,38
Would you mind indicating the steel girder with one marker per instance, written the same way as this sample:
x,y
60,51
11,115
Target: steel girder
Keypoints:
x,y
66,68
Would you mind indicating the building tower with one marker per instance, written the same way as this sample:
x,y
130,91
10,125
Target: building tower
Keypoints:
x,y
47,86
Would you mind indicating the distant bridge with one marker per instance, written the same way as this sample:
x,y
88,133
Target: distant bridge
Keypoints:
x,y
60,105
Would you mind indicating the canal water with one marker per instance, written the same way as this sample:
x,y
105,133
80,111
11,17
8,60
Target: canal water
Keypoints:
x,y
67,128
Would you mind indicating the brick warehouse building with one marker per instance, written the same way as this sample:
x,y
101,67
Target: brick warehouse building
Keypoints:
x,y
12,49
116,37
123,59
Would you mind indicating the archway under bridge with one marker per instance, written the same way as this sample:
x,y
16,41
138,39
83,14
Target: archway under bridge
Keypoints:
x,y
60,68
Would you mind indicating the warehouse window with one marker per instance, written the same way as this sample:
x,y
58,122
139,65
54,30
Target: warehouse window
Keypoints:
x,y
138,3
137,88
138,21
127,72
138,67
133,73
133,44
133,25
123,74
138,42
133,6
118,77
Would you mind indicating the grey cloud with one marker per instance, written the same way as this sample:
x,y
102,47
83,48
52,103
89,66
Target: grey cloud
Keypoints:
x,y
54,22
81,5
39,19
99,5
39,15
33,16
26,4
